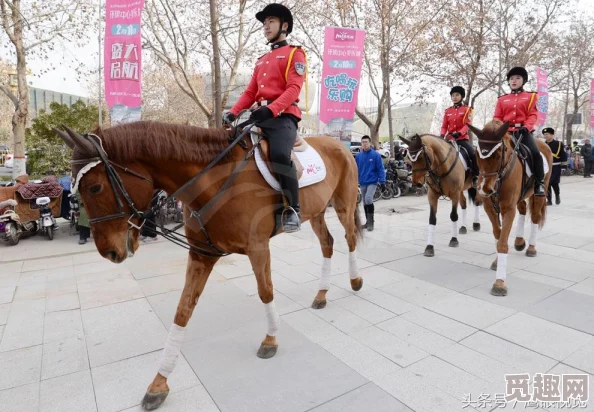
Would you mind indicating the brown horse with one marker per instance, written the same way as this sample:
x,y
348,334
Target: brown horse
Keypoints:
x,y
503,184
436,162
118,168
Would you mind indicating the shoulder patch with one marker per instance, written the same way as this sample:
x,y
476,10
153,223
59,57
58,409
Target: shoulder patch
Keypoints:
x,y
300,68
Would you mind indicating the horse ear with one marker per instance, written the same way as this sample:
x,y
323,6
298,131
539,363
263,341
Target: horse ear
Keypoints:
x,y
502,130
69,142
82,143
405,140
478,132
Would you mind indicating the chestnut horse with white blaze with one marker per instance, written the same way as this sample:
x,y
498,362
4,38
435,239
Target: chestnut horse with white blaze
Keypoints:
x,y
229,208
436,162
505,186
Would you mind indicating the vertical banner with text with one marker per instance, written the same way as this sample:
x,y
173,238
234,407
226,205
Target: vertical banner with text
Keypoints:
x,y
592,109
341,77
542,88
122,59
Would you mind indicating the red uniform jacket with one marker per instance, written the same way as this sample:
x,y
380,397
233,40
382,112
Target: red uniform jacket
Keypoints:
x,y
274,81
454,120
519,109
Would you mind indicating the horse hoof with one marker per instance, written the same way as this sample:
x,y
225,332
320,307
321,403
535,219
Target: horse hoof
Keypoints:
x,y
530,253
429,251
454,242
494,265
521,247
152,401
357,284
499,290
463,230
476,227
267,351
319,304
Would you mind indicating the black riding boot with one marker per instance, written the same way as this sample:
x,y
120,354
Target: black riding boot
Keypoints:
x,y
538,172
366,208
473,163
549,195
291,220
369,214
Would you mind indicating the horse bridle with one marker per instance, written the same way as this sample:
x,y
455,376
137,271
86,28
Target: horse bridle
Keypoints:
x,y
433,172
207,248
504,168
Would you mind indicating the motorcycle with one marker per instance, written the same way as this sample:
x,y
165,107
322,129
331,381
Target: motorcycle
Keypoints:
x,y
11,227
47,222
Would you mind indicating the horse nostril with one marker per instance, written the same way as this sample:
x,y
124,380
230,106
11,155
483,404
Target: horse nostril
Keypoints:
x,y
111,255
419,185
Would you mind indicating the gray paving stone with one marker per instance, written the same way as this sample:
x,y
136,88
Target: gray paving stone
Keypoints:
x,y
542,336
369,397
583,359
277,384
546,280
189,400
572,309
106,288
72,392
313,327
365,309
509,353
586,287
442,325
63,357
342,319
4,311
386,301
25,325
561,369
471,311
562,268
63,325
420,337
418,292
20,367
6,294
20,399
122,384
67,301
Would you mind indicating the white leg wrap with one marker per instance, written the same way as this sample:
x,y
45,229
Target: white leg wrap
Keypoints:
x,y
520,227
353,269
533,234
454,229
501,266
273,318
172,349
464,217
325,276
430,233
477,214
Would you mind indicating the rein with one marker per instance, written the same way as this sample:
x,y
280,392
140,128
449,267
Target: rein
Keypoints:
x,y
433,172
205,248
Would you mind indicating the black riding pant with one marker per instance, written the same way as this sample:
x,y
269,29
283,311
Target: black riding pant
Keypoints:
x,y
281,133
528,140
470,150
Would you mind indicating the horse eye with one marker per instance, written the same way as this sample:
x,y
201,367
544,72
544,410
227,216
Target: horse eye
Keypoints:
x,y
96,189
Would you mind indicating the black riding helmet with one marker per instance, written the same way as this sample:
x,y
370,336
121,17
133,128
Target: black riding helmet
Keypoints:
x,y
458,89
520,71
280,11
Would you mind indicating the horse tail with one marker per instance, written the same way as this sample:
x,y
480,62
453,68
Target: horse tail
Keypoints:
x,y
358,227
472,194
543,215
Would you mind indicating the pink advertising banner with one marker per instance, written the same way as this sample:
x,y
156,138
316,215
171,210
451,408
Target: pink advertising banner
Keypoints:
x,y
341,76
542,88
592,109
122,59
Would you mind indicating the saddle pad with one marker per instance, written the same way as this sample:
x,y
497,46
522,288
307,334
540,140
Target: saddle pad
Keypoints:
x,y
463,160
545,165
314,169
35,190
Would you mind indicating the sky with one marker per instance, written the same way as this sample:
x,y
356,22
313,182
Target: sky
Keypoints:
x,y
65,80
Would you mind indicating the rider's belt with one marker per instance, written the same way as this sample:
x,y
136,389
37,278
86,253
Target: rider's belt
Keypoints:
x,y
517,125
557,164
268,102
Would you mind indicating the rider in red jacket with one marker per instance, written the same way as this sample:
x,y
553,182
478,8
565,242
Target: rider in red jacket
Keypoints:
x,y
275,86
519,109
454,127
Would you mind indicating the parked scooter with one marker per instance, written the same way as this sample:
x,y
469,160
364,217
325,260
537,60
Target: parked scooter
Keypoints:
x,y
11,227
47,222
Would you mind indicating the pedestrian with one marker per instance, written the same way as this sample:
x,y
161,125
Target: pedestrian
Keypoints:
x,y
84,227
518,108
559,162
275,87
371,172
148,233
586,151
454,127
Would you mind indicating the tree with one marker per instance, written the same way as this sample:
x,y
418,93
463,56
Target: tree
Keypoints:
x,y
35,28
47,152
181,33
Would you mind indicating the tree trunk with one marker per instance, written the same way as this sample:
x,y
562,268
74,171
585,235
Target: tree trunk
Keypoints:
x,y
19,119
217,98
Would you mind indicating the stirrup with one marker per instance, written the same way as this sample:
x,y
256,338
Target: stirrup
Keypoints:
x,y
290,227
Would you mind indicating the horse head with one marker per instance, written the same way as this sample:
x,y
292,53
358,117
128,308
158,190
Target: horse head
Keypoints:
x,y
490,154
111,194
417,157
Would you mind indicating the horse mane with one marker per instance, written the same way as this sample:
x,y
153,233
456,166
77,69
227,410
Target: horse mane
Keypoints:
x,y
157,141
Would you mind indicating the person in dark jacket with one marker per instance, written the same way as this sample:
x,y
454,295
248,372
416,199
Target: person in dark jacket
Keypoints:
x,y
586,151
559,162
371,172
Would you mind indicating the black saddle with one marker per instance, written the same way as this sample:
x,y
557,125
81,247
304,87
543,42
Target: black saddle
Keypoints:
x,y
464,152
525,158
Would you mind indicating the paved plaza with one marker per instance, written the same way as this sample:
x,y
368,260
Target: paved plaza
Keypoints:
x,y
79,333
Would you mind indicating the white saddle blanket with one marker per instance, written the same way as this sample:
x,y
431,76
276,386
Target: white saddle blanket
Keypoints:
x,y
463,160
314,169
545,165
